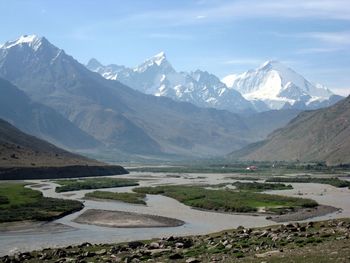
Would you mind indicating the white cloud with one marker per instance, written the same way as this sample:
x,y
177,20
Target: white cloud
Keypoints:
x,y
342,38
317,50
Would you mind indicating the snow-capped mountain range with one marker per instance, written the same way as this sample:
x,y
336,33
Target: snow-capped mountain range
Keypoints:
x,y
156,76
270,86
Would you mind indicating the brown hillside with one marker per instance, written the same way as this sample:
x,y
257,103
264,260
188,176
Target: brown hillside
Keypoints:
x,y
320,135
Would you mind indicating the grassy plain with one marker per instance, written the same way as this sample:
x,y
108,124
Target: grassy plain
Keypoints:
x,y
92,183
18,203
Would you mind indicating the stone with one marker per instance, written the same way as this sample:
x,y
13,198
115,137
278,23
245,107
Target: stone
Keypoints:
x,y
135,244
176,256
86,244
154,245
228,247
101,252
179,245
170,239
192,260
268,254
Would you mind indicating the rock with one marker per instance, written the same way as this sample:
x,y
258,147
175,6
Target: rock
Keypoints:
x,y
176,256
44,256
115,258
135,244
154,245
310,224
88,254
170,239
101,252
192,260
179,245
60,253
158,252
225,243
6,259
25,256
302,229
341,223
268,254
187,243
264,234
86,244
228,247
216,259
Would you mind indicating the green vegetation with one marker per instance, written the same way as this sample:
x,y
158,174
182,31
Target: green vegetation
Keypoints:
x,y
331,181
134,198
226,200
258,187
93,183
4,200
20,203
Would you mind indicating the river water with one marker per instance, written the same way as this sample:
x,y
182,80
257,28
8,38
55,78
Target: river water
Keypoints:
x,y
64,231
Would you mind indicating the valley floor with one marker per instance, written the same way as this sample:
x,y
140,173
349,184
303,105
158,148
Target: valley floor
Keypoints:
x,y
67,232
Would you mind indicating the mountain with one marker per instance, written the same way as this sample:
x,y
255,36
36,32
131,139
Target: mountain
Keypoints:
x,y
118,116
156,76
263,123
278,86
18,149
319,135
41,121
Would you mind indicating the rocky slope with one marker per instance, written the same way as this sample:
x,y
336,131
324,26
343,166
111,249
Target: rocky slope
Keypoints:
x,y
23,156
319,135
18,149
41,121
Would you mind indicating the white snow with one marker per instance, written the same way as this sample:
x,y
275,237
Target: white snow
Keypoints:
x,y
272,79
32,41
158,59
229,80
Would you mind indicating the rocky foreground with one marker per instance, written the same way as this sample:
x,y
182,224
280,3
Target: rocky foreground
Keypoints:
x,y
326,241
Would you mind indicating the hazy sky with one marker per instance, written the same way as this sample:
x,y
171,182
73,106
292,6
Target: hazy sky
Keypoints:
x,y
222,37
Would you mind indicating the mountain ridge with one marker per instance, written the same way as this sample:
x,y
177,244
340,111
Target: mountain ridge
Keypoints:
x,y
317,135
271,86
116,115
41,121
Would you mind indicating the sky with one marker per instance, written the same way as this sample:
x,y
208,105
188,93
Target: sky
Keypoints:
x,y
219,36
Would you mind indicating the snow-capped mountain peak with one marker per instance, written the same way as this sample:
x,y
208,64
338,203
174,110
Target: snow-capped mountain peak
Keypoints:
x,y
33,41
159,60
277,85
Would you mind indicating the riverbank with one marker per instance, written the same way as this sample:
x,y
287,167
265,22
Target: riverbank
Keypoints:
x,y
26,173
288,243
